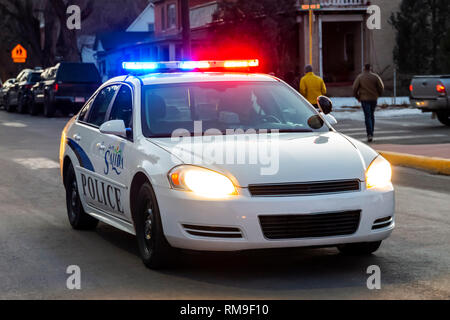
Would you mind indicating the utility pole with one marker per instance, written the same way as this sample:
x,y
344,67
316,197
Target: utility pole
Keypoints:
x,y
310,7
186,29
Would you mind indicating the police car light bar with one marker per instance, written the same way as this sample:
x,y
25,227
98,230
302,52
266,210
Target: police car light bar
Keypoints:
x,y
189,65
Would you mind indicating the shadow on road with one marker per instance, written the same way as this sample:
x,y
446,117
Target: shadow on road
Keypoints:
x,y
282,269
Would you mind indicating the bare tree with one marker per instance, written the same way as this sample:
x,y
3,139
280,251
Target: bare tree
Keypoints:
x,y
20,23
67,41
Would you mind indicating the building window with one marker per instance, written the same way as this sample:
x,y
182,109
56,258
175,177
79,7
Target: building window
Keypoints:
x,y
163,18
171,16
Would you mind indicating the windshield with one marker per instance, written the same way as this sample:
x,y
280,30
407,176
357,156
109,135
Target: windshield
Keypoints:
x,y
34,77
224,105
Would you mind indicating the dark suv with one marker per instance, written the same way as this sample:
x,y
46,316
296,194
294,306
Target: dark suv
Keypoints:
x,y
19,94
65,87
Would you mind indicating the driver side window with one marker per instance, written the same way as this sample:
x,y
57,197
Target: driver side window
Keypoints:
x,y
100,106
122,108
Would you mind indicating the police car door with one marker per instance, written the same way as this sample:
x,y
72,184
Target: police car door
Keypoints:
x,y
83,141
112,156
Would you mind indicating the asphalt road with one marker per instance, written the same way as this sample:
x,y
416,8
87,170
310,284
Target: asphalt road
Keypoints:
x,y
37,244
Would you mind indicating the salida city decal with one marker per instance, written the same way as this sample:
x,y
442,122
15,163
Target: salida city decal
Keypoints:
x,y
114,159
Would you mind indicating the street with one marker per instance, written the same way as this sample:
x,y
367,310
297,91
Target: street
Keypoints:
x,y
411,128
37,243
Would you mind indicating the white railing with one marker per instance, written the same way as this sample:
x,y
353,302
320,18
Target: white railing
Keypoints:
x,y
331,3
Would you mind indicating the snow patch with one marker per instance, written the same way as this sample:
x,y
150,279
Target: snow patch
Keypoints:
x,y
340,102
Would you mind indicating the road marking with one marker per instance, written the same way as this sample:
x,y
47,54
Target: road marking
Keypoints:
x,y
409,137
14,124
352,129
37,163
404,124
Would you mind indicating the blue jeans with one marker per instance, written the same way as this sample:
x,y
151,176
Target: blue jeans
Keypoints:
x,y
369,114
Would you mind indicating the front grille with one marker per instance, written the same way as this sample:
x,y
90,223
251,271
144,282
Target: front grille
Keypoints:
x,y
212,231
303,188
310,225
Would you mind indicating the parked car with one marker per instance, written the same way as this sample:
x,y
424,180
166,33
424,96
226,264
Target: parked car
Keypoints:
x,y
18,96
65,87
36,93
431,94
4,90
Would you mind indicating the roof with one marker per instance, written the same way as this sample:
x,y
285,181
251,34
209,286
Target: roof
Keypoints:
x,y
186,77
116,40
147,16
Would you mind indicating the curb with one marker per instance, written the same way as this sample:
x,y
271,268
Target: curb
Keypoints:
x,y
437,165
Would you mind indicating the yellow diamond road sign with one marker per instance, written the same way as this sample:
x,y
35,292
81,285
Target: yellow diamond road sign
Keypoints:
x,y
19,54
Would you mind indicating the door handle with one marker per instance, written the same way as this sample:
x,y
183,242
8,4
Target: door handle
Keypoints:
x,y
77,137
101,146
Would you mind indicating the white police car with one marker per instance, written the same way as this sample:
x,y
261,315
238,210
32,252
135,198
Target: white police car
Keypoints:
x,y
195,155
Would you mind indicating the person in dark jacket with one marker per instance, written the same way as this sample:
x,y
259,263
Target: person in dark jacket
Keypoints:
x,y
367,88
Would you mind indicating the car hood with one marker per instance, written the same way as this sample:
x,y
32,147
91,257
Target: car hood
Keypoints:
x,y
284,158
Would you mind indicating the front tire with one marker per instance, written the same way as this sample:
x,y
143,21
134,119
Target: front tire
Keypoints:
x,y
359,249
444,118
21,105
8,106
154,249
78,218
34,108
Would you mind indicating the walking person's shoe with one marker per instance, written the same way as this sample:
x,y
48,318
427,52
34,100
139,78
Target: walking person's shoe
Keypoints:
x,y
369,138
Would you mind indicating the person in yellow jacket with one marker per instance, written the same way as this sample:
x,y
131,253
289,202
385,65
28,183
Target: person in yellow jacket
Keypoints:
x,y
312,86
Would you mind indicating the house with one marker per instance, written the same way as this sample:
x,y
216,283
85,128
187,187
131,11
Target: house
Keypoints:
x,y
113,48
168,25
134,44
342,42
145,22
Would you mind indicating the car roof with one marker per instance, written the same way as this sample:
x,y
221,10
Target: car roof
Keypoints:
x,y
187,77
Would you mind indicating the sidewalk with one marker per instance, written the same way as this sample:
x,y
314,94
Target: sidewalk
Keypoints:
x,y
432,157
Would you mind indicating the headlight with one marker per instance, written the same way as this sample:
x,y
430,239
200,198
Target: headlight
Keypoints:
x,y
379,173
201,181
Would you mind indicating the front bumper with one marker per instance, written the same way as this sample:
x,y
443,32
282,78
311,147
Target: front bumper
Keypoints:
x,y
180,208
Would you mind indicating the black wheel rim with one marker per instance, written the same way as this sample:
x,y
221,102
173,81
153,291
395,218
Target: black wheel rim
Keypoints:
x,y
148,227
73,200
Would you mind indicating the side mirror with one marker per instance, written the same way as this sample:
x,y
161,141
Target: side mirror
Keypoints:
x,y
116,127
325,104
